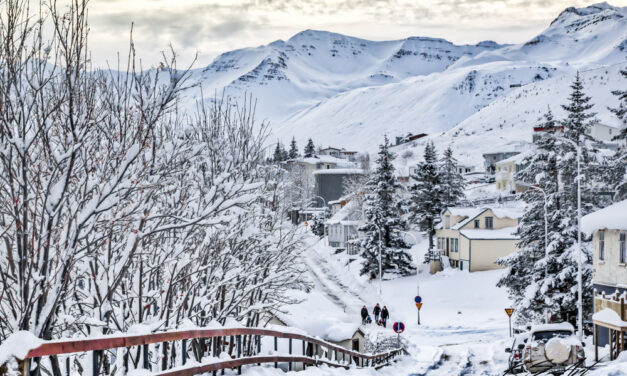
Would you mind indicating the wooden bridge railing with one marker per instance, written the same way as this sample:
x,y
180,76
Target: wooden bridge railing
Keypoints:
x,y
336,355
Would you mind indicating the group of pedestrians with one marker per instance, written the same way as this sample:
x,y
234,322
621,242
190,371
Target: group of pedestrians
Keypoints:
x,y
381,316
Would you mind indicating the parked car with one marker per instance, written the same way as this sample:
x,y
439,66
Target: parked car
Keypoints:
x,y
552,347
515,365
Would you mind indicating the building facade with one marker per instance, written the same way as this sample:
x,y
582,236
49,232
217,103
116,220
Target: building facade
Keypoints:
x,y
608,228
505,174
474,238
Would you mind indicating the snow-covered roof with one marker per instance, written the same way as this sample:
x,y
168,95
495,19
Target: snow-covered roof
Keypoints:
x,y
556,326
614,217
518,158
506,233
464,211
324,159
609,316
508,212
472,212
350,214
342,171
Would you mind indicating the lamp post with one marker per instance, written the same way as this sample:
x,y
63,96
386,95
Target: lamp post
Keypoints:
x,y
577,146
380,263
546,233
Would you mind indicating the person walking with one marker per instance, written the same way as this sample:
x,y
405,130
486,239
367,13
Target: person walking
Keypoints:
x,y
385,315
364,314
377,312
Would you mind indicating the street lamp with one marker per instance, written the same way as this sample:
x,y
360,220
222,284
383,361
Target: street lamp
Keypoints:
x,y
546,233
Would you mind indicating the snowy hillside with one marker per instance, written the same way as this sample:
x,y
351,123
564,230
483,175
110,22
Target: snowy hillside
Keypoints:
x,y
335,88
507,123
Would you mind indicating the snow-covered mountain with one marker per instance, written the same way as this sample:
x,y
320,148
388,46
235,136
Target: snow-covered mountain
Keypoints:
x,y
347,91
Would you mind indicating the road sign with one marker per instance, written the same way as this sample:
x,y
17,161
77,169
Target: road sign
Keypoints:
x,y
398,327
418,299
509,312
419,305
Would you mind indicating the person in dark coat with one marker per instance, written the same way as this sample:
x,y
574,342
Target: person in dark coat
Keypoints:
x,y
364,314
377,312
385,315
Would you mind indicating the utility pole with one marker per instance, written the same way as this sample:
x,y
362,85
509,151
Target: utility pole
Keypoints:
x,y
380,261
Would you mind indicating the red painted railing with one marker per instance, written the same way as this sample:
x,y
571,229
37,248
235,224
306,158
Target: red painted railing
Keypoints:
x,y
97,345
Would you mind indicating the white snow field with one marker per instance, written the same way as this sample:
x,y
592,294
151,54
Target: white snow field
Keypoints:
x,y
463,331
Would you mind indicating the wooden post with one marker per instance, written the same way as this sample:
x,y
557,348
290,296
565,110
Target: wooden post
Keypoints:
x,y
94,363
239,352
276,347
596,342
184,351
611,345
290,352
145,354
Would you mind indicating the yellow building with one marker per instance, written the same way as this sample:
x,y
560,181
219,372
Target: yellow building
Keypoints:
x,y
474,238
505,174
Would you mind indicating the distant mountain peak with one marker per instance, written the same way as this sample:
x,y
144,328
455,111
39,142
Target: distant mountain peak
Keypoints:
x,y
571,13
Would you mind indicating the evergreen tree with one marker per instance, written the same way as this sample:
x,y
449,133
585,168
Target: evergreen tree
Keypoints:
x,y
526,279
277,156
293,153
310,149
618,164
452,181
541,284
383,221
284,154
426,194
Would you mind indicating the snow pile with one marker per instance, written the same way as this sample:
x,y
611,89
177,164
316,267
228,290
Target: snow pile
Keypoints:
x,y
610,317
17,345
614,217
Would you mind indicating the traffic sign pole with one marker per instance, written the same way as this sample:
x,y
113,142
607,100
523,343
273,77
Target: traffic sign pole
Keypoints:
x,y
418,301
509,312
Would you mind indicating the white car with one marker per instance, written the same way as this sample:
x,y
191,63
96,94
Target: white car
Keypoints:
x,y
552,347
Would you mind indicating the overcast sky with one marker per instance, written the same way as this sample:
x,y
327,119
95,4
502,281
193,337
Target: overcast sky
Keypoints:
x,y
210,27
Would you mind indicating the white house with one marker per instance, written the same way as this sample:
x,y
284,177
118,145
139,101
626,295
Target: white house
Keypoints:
x,y
343,226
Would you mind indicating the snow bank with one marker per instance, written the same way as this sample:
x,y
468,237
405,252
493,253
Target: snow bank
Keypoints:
x,y
609,316
614,217
18,345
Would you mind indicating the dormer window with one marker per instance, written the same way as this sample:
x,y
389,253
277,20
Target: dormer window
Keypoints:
x,y
489,222
447,221
477,223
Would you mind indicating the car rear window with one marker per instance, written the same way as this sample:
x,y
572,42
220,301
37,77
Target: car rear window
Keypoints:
x,y
545,336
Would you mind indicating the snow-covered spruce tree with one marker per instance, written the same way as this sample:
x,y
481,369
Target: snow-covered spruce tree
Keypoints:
x,y
530,274
425,203
384,221
293,153
277,156
451,181
310,149
617,166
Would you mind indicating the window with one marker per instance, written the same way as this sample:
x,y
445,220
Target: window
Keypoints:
x,y
489,222
477,223
447,221
439,243
601,245
455,245
623,248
